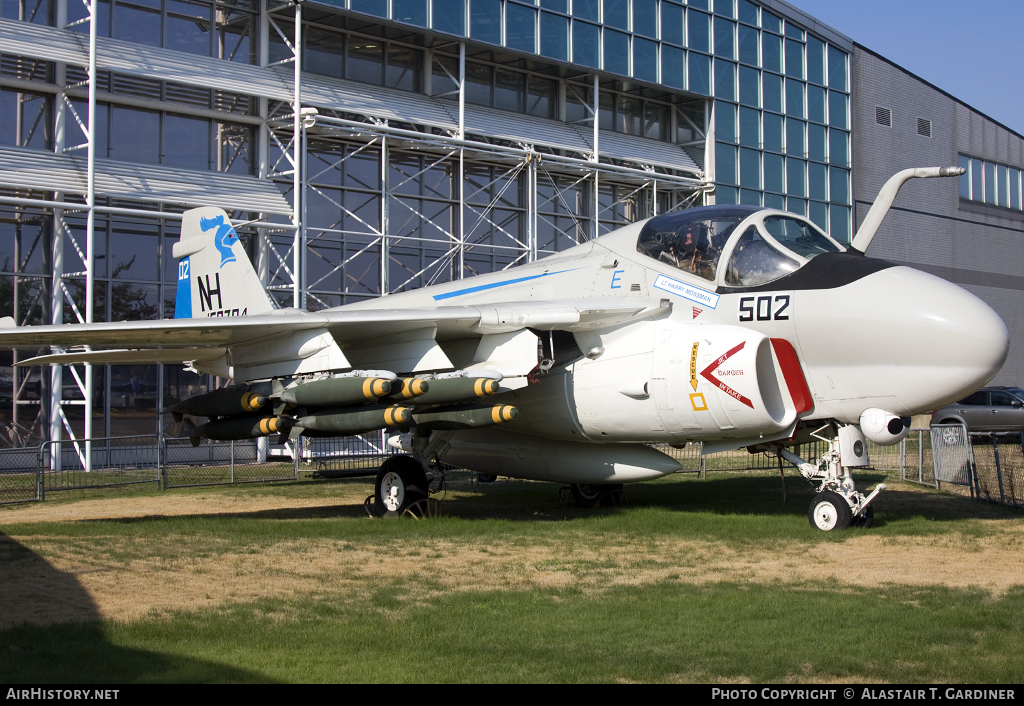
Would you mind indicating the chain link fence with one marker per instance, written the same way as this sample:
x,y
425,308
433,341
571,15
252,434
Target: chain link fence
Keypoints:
x,y
694,460
74,464
220,462
912,458
338,456
998,467
990,466
19,475
918,465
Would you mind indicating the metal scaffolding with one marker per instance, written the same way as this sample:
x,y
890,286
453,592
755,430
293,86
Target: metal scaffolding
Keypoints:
x,y
503,201
357,193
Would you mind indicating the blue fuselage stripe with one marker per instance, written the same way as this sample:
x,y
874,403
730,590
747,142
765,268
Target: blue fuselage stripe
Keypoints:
x,y
493,285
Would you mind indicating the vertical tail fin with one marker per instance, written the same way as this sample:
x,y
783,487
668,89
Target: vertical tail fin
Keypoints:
x,y
215,277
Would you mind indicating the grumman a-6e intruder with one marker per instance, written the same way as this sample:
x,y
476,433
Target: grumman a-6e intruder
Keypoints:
x,y
734,326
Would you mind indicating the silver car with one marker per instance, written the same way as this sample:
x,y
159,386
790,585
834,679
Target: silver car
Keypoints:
x,y
988,409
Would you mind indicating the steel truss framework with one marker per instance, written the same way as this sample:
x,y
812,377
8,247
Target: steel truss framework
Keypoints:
x,y
376,207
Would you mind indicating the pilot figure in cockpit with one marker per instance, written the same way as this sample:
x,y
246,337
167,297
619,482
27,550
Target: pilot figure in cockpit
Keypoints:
x,y
694,249
707,249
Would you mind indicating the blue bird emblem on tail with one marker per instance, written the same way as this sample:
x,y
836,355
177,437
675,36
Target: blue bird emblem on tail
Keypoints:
x,y
225,238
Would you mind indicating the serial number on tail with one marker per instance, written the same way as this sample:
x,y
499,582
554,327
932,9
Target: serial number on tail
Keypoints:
x,y
228,312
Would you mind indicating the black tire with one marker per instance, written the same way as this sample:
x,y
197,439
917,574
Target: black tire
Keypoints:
x,y
593,494
586,494
401,481
486,477
865,519
829,511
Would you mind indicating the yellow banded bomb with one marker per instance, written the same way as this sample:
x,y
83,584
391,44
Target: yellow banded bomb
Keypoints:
x,y
339,421
448,390
408,389
220,403
464,417
235,428
336,391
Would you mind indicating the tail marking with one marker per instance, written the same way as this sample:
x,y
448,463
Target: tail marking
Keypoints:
x,y
225,238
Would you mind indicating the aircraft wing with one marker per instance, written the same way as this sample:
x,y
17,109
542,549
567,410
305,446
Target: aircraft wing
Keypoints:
x,y
219,331
180,340
127,356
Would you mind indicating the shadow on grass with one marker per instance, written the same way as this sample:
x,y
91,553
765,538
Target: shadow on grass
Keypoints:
x,y
750,493
51,632
323,512
738,493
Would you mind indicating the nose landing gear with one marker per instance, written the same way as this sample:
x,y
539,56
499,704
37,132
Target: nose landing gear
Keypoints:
x,y
838,504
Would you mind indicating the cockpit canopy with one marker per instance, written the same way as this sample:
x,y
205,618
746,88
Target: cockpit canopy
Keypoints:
x,y
757,245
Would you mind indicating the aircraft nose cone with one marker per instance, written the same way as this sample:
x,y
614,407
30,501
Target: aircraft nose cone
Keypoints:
x,y
956,339
905,334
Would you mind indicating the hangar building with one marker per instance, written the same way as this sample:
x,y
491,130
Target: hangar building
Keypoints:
x,y
382,145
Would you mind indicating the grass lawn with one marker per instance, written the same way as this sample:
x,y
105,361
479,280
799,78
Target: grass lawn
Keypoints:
x,y
695,580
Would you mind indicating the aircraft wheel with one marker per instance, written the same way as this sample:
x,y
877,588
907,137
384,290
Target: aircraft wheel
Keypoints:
x,y
596,494
829,511
401,482
865,519
586,494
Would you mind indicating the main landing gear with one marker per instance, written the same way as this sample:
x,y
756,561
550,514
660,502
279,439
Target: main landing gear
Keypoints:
x,y
838,504
402,488
401,483
592,495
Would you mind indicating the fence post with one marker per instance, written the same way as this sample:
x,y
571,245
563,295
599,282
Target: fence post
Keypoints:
x,y
999,473
920,456
232,461
40,486
973,477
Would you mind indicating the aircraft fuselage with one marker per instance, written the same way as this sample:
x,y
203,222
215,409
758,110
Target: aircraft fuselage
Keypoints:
x,y
867,334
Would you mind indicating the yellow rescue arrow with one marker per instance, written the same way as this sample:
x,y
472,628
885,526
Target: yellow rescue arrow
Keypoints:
x,y
693,366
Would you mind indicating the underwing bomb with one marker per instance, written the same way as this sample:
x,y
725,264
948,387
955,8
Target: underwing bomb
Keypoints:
x,y
339,421
449,390
464,417
237,428
220,403
408,388
336,391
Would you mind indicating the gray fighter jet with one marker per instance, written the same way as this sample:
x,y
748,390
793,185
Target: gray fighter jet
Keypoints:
x,y
734,326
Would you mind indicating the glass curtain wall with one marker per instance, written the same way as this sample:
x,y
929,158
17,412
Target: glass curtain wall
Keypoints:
x,y
782,117
782,94
781,120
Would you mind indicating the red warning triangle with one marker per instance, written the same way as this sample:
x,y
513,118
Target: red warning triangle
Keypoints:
x,y
697,312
